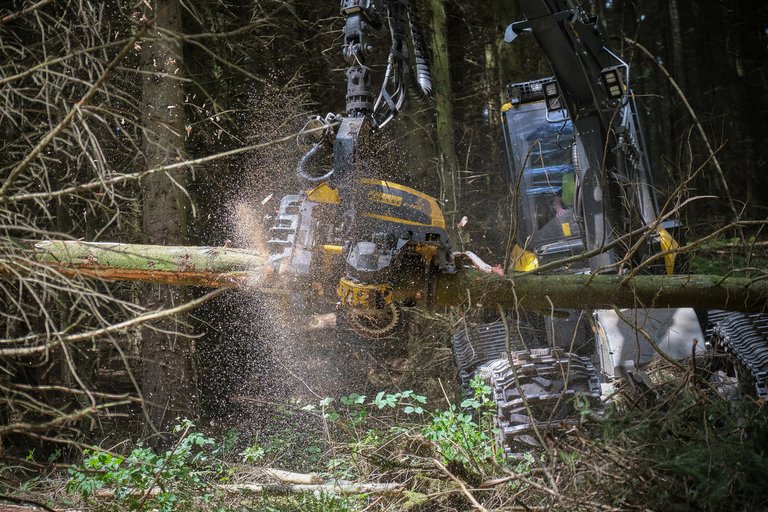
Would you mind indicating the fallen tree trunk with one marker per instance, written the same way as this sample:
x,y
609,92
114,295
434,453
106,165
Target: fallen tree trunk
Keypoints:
x,y
543,292
228,267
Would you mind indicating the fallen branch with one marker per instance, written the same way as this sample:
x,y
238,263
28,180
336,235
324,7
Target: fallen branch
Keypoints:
x,y
16,15
23,504
59,421
338,487
332,487
475,504
290,477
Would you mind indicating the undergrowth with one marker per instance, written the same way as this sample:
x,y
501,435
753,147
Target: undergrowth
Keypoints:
x,y
358,435
700,451
729,256
144,480
678,446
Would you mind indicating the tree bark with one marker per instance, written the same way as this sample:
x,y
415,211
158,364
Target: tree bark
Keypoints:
x,y
226,267
446,145
168,381
677,45
542,292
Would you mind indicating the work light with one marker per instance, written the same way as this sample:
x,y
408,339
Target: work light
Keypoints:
x,y
552,96
614,86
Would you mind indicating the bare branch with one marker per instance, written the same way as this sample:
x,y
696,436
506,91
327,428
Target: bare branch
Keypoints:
x,y
139,175
695,118
32,155
142,319
10,17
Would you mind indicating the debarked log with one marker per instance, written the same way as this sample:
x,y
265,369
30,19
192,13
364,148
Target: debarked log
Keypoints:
x,y
213,267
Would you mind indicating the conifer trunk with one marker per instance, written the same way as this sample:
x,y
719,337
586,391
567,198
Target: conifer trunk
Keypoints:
x,y
448,164
167,352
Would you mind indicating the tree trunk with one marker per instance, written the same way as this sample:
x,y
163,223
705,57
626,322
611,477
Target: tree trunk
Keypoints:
x,y
677,45
493,98
750,99
542,292
446,144
226,267
168,381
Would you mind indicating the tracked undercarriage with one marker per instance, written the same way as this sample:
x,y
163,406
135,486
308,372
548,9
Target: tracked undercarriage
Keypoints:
x,y
743,337
536,387
539,392
536,393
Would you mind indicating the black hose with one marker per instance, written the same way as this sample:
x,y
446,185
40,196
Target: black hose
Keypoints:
x,y
301,168
423,83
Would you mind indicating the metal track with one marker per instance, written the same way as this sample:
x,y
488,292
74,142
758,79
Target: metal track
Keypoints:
x,y
479,343
745,337
535,391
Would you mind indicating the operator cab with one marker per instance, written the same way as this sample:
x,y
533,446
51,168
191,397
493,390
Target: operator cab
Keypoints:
x,y
541,160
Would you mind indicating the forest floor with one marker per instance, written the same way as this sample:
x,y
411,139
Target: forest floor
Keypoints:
x,y
677,446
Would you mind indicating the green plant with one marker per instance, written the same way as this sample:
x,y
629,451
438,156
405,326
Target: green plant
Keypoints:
x,y
318,502
701,451
410,402
462,434
145,480
465,434
253,453
227,445
354,405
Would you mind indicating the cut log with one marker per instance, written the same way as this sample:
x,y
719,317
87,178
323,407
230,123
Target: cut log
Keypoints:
x,y
213,267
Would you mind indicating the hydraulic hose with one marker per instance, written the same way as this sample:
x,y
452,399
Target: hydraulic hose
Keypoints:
x,y
304,161
408,41
423,83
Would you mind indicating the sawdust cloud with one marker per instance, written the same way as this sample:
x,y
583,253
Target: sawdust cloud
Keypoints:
x,y
271,352
268,352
